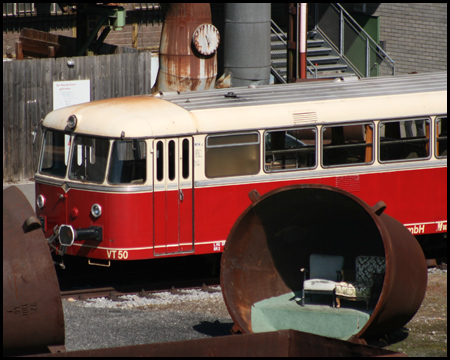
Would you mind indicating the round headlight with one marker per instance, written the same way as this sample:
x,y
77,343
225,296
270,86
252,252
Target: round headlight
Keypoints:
x,y
40,201
72,122
96,210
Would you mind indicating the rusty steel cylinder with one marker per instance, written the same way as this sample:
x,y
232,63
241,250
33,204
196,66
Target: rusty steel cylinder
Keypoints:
x,y
181,66
33,319
275,236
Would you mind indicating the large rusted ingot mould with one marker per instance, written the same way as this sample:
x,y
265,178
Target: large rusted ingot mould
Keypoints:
x,y
33,319
274,237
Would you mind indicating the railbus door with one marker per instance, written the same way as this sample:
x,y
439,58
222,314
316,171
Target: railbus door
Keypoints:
x,y
173,196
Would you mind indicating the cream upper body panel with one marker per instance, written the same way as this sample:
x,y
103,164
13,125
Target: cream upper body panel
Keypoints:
x,y
136,116
265,107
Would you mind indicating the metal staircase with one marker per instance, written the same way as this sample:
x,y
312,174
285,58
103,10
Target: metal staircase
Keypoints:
x,y
329,55
278,53
323,61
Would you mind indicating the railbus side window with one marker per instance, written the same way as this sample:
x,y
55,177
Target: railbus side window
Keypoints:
x,y
404,140
441,137
347,144
160,161
54,161
128,162
185,159
172,160
232,155
290,149
89,159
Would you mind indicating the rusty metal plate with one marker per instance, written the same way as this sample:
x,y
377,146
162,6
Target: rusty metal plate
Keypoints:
x,y
275,344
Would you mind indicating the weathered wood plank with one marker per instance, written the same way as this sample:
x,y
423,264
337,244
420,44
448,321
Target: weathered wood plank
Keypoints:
x,y
28,97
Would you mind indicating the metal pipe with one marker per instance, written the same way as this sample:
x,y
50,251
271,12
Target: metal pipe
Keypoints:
x,y
247,43
302,40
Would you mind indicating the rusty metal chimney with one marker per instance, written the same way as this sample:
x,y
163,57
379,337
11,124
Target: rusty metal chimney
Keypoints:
x,y
187,55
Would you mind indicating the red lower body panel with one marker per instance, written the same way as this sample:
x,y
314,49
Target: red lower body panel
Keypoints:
x,y
146,225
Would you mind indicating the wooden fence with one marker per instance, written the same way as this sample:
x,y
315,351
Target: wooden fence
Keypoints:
x,y
28,97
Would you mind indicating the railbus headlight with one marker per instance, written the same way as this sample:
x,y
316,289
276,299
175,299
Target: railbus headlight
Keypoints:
x,y
40,201
72,122
96,210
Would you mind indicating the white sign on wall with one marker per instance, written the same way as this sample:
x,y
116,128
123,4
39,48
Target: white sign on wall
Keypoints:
x,y
66,93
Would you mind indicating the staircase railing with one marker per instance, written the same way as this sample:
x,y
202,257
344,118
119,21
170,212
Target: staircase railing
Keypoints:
x,y
312,69
350,40
279,34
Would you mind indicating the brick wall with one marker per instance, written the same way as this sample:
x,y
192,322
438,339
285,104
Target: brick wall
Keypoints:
x,y
415,35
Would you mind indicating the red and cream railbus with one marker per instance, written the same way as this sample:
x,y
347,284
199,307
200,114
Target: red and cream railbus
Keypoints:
x,y
150,176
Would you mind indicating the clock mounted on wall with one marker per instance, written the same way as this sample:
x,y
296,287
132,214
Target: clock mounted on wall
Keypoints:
x,y
206,39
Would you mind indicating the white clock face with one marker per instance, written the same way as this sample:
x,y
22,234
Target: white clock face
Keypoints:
x,y
206,39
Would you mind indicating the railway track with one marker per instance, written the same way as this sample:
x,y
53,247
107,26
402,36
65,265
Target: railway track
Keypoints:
x,y
81,281
143,290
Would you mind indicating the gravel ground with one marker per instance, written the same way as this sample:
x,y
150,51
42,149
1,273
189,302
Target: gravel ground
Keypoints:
x,y
426,333
99,323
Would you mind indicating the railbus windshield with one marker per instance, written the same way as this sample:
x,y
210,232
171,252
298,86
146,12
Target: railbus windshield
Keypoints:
x,y
85,158
55,154
89,159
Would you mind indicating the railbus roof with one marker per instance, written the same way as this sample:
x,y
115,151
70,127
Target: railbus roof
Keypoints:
x,y
341,88
268,106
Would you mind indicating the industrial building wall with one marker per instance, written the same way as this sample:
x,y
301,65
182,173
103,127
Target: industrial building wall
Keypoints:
x,y
142,29
415,34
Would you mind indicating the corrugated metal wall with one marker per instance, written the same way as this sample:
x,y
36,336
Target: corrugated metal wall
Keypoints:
x,y
28,97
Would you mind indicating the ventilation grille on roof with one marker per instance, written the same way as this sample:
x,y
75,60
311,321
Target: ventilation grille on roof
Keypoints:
x,y
304,117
